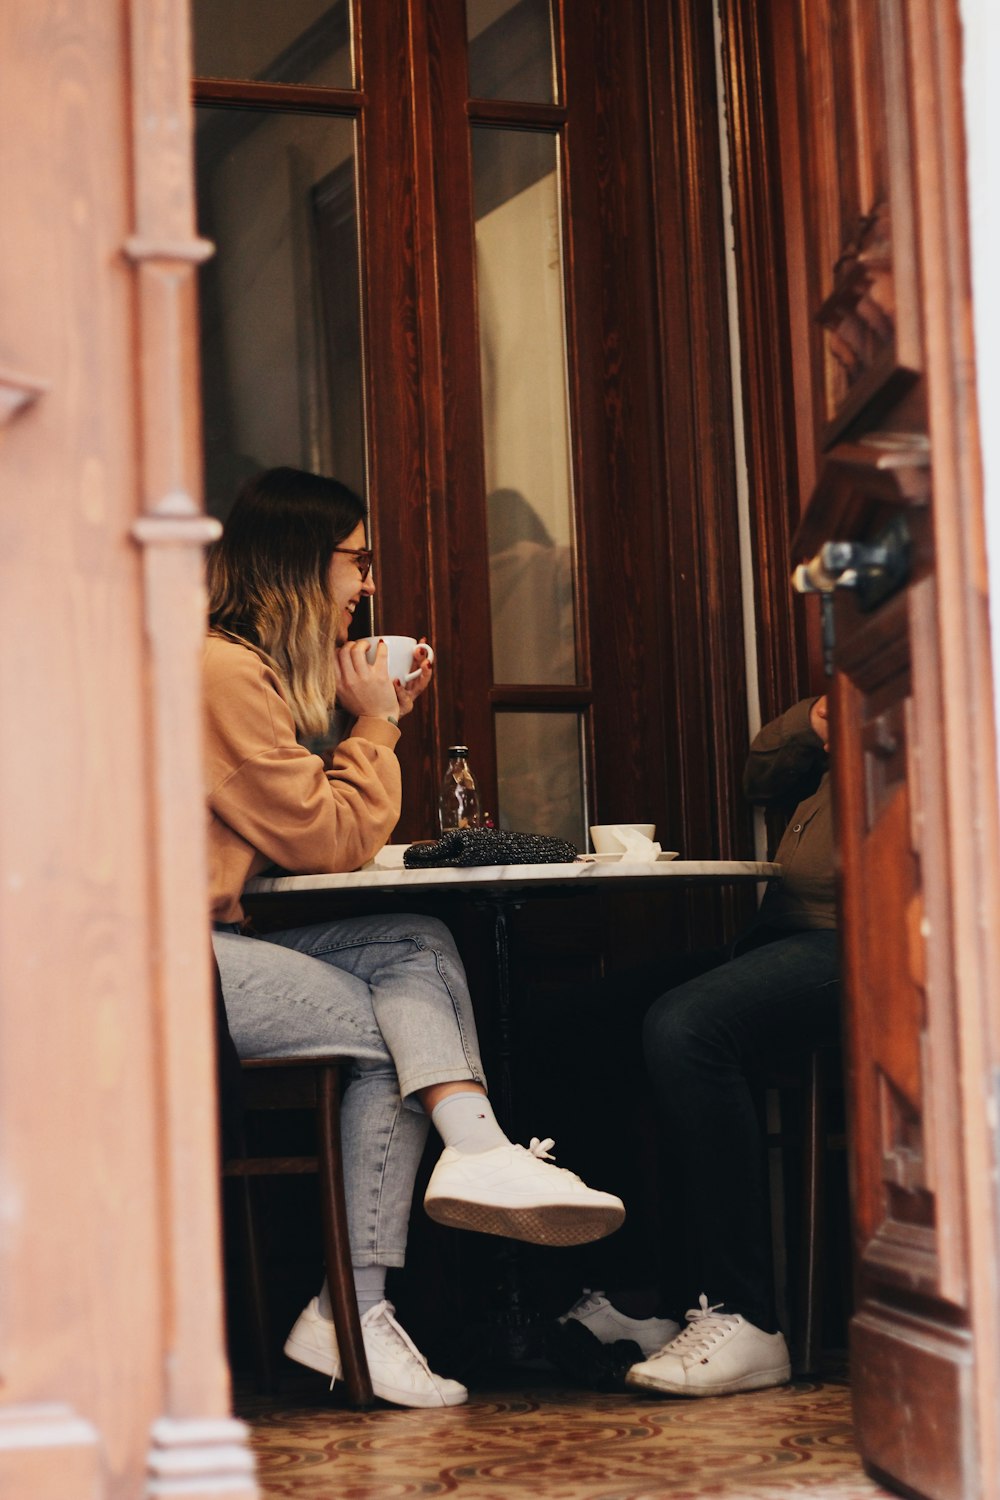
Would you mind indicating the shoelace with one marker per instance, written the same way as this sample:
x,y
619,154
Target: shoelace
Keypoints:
x,y
542,1151
588,1302
384,1326
705,1328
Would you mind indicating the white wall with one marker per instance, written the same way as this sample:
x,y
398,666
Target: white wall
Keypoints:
x,y
981,20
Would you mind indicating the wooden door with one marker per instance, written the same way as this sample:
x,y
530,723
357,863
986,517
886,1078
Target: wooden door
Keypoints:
x,y
895,446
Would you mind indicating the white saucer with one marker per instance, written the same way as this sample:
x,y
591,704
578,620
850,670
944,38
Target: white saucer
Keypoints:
x,y
613,859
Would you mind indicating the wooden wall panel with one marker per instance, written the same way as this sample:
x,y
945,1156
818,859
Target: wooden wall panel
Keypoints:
x,y
768,398
702,624
403,371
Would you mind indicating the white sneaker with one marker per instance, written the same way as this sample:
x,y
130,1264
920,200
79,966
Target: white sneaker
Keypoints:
x,y
520,1194
399,1371
717,1354
601,1318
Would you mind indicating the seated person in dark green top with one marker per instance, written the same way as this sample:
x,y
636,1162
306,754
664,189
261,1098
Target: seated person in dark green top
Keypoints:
x,y
774,992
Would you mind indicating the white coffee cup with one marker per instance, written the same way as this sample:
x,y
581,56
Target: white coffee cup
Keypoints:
x,y
401,649
606,837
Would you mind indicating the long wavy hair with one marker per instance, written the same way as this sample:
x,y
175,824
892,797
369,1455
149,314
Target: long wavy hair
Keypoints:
x,y
268,580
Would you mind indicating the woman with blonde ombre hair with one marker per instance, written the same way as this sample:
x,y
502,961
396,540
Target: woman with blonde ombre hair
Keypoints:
x,y
279,595
285,579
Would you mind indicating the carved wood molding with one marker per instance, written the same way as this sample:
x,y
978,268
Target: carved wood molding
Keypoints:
x,y
199,1457
871,317
17,392
47,1448
176,519
880,473
175,531
192,251
903,1256
859,314
896,1360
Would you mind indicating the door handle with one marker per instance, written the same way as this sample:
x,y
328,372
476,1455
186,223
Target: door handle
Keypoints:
x,y
872,570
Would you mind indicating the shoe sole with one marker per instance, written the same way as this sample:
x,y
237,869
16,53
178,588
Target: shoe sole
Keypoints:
x,y
760,1380
410,1398
537,1224
304,1354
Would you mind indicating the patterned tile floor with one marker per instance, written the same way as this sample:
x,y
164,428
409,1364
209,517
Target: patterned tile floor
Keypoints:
x,y
537,1440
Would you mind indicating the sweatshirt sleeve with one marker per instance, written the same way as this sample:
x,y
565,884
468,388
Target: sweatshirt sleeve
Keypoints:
x,y
275,793
786,758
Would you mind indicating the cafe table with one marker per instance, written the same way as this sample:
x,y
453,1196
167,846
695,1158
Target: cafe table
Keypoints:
x,y
500,890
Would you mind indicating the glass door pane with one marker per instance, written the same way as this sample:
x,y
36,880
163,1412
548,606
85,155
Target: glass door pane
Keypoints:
x,y
519,277
540,773
511,54
282,373
296,41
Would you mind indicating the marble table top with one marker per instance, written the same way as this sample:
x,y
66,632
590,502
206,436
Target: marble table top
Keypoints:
x,y
583,873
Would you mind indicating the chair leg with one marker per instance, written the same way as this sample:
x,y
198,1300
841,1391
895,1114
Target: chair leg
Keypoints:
x,y
260,1328
810,1291
336,1243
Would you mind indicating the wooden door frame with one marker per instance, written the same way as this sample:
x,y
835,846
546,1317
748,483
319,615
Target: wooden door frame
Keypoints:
x,y
114,1377
755,39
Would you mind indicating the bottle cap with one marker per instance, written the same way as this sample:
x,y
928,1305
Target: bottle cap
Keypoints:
x,y
458,749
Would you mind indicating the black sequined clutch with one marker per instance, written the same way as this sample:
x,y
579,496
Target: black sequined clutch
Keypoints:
x,y
464,847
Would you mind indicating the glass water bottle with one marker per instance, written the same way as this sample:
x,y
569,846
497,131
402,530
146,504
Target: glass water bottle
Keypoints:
x,y
458,803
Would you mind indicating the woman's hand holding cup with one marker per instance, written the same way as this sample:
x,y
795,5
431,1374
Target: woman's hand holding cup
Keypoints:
x,y
409,666
409,688
364,687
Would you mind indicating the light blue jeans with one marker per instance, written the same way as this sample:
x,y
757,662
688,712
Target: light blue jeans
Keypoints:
x,y
389,994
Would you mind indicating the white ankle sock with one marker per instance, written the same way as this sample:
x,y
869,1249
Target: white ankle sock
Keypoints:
x,y
466,1122
369,1287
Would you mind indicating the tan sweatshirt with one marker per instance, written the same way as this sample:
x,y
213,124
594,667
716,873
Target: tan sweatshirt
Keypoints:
x,y
270,800
789,767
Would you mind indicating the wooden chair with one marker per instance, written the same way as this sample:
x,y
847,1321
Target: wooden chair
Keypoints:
x,y
807,1150
303,1083
290,1083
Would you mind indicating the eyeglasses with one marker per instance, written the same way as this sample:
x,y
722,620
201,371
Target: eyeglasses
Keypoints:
x,y
362,558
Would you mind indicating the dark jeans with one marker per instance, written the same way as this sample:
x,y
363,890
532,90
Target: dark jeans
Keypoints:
x,y
704,1041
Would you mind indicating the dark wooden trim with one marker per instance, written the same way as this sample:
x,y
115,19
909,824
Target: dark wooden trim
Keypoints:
x,y
752,96
536,697
457,494
701,610
507,112
790,58
283,96
400,337
616,445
